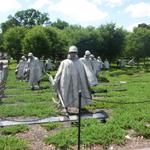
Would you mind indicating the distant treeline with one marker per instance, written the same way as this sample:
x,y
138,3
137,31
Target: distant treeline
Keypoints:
x,y
32,31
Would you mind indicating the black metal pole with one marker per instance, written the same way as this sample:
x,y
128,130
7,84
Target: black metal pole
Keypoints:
x,y
79,120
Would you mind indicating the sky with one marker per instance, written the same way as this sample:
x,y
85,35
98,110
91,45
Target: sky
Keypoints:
x,y
125,13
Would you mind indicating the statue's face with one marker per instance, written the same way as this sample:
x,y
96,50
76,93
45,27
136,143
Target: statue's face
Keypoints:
x,y
30,57
87,56
73,55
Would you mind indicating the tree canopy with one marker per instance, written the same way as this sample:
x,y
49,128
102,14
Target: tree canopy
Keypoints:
x,y
44,41
112,40
60,24
30,30
12,41
27,18
138,43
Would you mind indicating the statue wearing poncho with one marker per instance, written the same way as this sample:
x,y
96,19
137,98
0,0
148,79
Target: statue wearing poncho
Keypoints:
x,y
70,79
87,63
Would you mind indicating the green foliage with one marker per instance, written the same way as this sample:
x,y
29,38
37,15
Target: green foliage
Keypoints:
x,y
14,129
73,33
36,42
124,116
117,72
12,143
88,39
31,17
142,130
126,109
12,40
26,102
147,70
1,39
64,138
143,25
102,79
138,43
31,109
58,43
132,71
45,41
92,132
107,41
60,24
10,23
53,73
111,40
26,18
133,117
52,125
2,49
12,65
53,41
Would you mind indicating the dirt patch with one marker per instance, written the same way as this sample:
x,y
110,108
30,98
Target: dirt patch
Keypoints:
x,y
35,137
36,134
133,142
136,143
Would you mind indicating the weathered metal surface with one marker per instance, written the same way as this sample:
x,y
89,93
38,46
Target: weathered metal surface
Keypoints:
x,y
100,115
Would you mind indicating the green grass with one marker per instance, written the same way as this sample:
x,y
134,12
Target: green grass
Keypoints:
x,y
130,109
13,129
26,102
52,125
32,109
92,132
12,143
117,72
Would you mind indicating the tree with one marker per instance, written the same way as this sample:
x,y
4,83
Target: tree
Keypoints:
x,y
12,40
27,18
143,25
73,33
1,39
1,43
111,40
138,43
58,42
60,24
10,23
106,41
45,41
87,40
76,35
36,41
